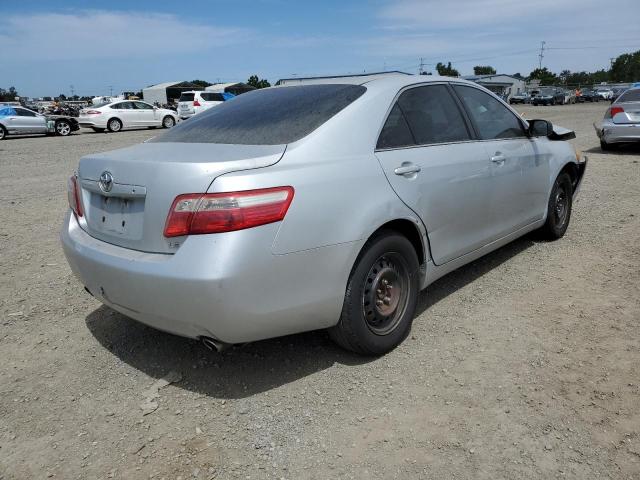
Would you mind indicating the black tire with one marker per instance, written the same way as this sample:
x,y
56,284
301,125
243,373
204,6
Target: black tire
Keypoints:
x,y
558,208
376,320
168,122
63,128
114,125
97,130
3,133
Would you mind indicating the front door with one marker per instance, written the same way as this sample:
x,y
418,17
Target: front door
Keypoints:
x,y
519,164
431,160
145,114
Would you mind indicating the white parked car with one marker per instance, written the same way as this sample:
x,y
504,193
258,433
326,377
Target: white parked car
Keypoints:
x,y
126,114
605,93
194,102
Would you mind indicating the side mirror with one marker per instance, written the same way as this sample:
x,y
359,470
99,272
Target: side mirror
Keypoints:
x,y
540,128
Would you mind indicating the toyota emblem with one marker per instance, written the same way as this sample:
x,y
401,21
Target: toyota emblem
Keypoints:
x,y
106,181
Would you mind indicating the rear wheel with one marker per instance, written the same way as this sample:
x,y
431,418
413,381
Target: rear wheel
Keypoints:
x,y
168,121
63,128
558,208
605,146
381,296
114,125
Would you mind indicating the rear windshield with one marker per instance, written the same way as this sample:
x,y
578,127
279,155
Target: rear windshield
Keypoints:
x,y
272,116
186,97
630,96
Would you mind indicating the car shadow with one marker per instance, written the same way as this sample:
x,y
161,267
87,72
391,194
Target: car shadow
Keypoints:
x,y
622,149
242,371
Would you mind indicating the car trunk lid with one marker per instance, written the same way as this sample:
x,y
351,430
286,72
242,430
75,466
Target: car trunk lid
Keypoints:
x,y
127,193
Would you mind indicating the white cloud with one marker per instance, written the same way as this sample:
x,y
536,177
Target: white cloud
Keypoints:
x,y
95,34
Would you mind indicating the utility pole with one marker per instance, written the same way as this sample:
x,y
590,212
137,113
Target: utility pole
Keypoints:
x,y
111,90
541,55
72,90
421,68
611,60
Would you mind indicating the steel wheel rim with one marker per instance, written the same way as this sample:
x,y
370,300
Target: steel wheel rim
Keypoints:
x,y
63,129
561,206
386,293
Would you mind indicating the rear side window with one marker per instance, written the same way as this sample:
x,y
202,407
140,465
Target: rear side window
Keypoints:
x,y
492,119
270,116
212,97
433,115
630,96
122,106
396,132
186,97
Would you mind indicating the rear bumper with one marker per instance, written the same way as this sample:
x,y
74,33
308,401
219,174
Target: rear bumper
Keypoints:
x,y
610,132
226,286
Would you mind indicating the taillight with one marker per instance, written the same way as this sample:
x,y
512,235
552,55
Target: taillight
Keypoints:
x,y
93,112
73,195
614,110
196,103
199,213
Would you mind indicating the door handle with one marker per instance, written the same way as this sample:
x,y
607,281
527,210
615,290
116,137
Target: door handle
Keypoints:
x,y
407,169
499,159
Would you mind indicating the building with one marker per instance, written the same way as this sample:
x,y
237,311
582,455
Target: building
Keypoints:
x,y
505,86
162,93
361,78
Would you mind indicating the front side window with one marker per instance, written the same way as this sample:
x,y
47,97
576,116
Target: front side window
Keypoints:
x,y
143,106
25,113
492,119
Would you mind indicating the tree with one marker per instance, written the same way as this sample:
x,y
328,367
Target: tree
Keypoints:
x,y
447,70
62,97
484,70
201,83
8,95
254,81
544,75
626,68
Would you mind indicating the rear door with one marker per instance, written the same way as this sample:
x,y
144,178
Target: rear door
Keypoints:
x,y
429,156
125,112
519,164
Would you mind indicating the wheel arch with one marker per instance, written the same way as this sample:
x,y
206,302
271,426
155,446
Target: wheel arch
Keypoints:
x,y
411,231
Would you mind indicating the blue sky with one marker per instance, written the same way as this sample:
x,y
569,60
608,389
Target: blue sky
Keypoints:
x,y
47,46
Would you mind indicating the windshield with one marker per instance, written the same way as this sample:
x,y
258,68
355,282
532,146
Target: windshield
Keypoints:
x,y
271,116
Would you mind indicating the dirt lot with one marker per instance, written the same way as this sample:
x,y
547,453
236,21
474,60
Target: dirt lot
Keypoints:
x,y
522,365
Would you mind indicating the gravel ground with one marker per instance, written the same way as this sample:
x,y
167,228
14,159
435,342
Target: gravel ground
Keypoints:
x,y
521,365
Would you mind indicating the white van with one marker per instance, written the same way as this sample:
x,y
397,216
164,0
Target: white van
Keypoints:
x,y
193,102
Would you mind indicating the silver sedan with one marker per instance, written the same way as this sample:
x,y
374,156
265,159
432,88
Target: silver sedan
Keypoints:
x,y
621,122
314,206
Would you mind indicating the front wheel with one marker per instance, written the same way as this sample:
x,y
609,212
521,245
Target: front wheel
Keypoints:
x,y
168,121
63,128
3,133
558,208
381,296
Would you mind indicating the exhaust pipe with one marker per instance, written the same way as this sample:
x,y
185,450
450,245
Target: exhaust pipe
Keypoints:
x,y
213,344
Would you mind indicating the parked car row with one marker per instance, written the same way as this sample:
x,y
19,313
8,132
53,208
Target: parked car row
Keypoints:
x,y
114,117
561,96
